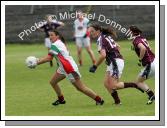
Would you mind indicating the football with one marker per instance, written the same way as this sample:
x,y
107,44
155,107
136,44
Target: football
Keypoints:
x,y
31,61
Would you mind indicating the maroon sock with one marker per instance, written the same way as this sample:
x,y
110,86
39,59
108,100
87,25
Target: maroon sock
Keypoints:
x,y
150,93
133,85
98,99
130,85
61,98
115,96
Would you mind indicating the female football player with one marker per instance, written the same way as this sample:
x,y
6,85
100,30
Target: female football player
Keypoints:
x,y
82,38
48,26
67,68
146,59
109,50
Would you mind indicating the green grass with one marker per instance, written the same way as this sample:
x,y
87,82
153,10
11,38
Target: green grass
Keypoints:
x,y
28,93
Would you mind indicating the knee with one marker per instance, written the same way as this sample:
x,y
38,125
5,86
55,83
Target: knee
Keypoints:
x,y
89,51
109,85
105,84
140,79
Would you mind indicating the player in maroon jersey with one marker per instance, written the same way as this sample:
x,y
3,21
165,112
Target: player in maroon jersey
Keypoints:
x,y
146,59
50,25
109,50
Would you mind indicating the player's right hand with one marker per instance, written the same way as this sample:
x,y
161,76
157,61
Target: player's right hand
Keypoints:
x,y
93,69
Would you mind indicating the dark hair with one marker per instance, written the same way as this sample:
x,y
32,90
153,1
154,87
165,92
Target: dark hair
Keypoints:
x,y
136,31
60,36
105,30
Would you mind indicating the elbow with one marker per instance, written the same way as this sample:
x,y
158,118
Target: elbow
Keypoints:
x,y
62,24
50,58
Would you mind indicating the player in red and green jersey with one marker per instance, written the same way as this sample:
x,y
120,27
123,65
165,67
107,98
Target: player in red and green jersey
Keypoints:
x,y
66,68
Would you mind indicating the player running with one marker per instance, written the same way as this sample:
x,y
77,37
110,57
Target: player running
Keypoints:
x,y
82,38
109,50
67,68
48,26
146,59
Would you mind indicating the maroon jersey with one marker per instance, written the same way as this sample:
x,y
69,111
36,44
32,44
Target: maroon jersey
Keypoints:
x,y
48,27
149,55
108,44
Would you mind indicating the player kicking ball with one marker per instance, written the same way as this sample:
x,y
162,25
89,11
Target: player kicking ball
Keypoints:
x,y
66,68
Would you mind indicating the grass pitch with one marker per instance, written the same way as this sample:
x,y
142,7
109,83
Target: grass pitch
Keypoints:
x,y
28,92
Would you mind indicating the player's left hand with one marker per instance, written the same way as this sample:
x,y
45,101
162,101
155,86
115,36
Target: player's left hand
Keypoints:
x,y
93,69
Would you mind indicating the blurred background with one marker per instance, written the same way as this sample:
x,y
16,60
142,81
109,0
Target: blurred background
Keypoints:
x,y
21,17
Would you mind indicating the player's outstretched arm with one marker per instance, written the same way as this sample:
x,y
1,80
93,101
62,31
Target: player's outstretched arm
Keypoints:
x,y
142,50
61,23
44,59
99,61
101,57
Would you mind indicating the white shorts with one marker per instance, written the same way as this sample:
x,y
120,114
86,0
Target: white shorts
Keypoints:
x,y
120,67
148,71
71,77
47,43
82,42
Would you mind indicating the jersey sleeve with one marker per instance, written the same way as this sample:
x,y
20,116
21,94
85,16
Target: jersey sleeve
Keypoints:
x,y
53,50
98,46
42,26
101,44
137,42
57,24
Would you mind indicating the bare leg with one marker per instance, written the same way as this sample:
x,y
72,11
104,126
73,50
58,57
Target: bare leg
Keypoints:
x,y
110,84
113,83
141,84
54,82
87,91
79,53
51,62
106,83
84,89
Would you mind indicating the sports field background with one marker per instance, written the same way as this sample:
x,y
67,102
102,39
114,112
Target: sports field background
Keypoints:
x,y
28,92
